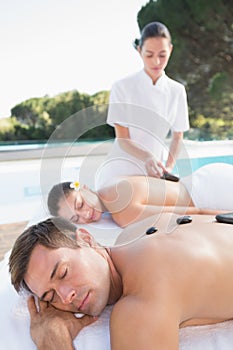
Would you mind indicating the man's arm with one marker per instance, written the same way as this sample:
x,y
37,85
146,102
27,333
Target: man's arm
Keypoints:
x,y
52,329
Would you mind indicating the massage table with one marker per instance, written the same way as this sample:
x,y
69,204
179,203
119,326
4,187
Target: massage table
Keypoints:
x,y
14,316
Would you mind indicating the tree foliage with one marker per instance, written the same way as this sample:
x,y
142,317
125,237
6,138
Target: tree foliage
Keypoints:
x,y
202,58
37,118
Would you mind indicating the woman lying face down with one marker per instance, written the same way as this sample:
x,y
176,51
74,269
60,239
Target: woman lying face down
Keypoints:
x,y
129,199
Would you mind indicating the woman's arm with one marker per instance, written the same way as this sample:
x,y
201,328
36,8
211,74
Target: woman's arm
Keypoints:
x,y
174,149
211,211
137,212
154,167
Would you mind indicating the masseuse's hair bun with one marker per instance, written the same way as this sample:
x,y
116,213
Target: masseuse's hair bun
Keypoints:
x,y
136,43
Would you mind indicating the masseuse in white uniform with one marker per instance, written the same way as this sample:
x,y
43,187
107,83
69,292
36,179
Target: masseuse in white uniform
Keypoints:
x,y
143,108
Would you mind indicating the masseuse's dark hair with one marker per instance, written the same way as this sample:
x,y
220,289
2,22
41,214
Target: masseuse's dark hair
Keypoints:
x,y
152,30
52,233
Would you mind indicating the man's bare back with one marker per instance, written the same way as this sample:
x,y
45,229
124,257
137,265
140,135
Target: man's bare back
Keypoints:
x,y
185,276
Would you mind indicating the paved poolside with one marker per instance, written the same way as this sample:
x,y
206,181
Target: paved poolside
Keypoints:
x,y
8,235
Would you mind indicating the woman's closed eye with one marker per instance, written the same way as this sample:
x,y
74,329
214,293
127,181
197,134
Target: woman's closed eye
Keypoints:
x,y
78,205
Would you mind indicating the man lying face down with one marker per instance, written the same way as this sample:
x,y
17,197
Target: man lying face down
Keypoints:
x,y
160,282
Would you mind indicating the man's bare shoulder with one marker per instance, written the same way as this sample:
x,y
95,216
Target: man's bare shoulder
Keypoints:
x,y
138,323
127,318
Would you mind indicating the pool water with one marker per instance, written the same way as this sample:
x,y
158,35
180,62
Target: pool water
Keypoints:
x,y
186,166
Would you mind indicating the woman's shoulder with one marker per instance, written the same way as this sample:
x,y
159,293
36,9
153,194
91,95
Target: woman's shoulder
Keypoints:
x,y
172,83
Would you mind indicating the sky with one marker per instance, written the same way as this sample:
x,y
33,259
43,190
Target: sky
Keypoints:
x,y
52,46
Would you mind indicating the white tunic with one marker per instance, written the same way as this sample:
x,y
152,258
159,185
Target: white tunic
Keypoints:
x,y
150,112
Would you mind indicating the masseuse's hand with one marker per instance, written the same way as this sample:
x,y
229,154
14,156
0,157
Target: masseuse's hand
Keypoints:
x,y
154,168
54,329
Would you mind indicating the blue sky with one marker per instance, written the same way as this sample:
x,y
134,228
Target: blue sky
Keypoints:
x,y
52,46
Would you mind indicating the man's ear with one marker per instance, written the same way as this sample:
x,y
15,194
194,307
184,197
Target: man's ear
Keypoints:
x,y
84,237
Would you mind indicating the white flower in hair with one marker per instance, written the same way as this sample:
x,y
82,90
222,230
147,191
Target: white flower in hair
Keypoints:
x,y
75,185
